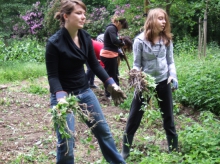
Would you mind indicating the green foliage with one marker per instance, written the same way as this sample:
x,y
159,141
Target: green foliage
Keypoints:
x,y
152,117
62,109
26,50
10,14
51,25
184,16
184,45
133,12
31,156
9,17
90,4
36,89
198,143
127,102
201,141
97,21
198,85
18,71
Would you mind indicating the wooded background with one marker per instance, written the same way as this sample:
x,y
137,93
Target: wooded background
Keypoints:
x,y
184,15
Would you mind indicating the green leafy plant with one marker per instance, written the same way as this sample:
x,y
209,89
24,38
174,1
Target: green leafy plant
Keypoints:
x,y
60,111
97,21
51,25
59,114
201,141
199,89
36,89
27,50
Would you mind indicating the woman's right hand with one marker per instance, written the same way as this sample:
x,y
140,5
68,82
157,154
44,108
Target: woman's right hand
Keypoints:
x,y
117,94
61,97
62,101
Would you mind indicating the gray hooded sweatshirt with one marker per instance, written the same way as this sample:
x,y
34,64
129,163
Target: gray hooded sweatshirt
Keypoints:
x,y
155,60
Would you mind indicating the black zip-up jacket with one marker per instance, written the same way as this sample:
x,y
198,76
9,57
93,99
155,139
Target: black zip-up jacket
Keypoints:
x,y
111,40
65,62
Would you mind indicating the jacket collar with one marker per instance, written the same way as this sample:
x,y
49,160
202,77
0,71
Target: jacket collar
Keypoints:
x,y
146,42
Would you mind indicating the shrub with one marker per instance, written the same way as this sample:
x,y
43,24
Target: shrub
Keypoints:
x,y
27,50
198,82
134,16
51,25
97,21
185,45
33,22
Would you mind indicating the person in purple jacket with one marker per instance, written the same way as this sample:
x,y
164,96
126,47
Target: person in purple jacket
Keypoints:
x,y
66,53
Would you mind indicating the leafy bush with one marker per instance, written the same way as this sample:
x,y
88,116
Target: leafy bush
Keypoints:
x,y
51,25
27,50
34,18
97,21
198,142
198,86
90,4
32,22
185,45
134,16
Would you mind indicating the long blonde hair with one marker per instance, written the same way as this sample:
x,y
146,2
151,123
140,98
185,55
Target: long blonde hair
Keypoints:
x,y
150,26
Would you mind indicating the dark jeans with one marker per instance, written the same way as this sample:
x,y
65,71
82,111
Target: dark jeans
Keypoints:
x,y
111,67
101,132
90,75
164,93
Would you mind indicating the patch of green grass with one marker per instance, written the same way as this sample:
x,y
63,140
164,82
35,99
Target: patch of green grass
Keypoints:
x,y
36,89
33,155
18,71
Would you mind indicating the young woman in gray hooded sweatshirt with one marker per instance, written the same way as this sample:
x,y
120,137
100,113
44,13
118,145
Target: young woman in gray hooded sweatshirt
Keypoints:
x,y
153,54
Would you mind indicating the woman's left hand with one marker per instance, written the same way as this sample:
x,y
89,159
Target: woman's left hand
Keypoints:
x,y
174,83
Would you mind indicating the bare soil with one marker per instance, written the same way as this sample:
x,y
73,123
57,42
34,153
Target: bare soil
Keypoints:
x,y
25,124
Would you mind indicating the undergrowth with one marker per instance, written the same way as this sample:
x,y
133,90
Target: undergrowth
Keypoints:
x,y
18,71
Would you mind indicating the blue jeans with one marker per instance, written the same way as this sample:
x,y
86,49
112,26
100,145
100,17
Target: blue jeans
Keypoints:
x,y
101,132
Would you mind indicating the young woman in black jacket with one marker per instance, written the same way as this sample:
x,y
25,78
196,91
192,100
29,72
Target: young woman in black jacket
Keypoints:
x,y
66,53
112,42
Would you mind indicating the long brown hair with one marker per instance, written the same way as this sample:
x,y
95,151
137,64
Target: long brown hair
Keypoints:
x,y
122,20
66,7
150,26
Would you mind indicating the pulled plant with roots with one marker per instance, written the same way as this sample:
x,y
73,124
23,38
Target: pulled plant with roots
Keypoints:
x,y
63,108
60,111
142,84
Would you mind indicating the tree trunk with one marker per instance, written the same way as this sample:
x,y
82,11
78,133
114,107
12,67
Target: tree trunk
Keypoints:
x,y
199,40
146,3
168,6
205,29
